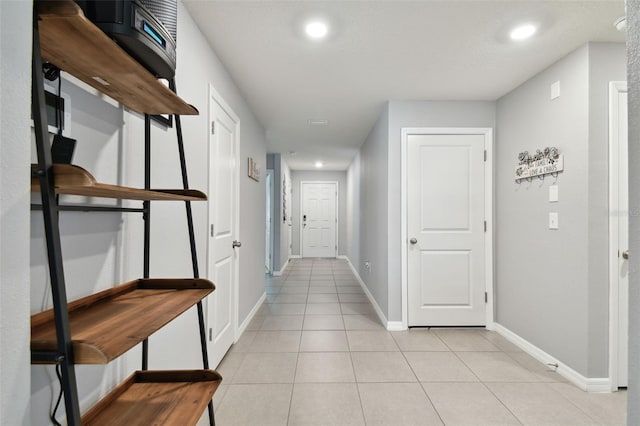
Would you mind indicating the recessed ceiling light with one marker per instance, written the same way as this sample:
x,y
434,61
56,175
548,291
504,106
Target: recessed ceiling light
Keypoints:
x,y
316,29
523,32
318,122
319,164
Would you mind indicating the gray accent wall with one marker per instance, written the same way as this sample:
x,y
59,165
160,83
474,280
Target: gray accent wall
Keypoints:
x,y
552,285
374,234
353,211
419,114
380,188
15,107
298,176
633,70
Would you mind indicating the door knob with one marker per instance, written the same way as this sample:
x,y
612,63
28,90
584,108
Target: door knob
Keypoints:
x,y
413,241
236,243
625,254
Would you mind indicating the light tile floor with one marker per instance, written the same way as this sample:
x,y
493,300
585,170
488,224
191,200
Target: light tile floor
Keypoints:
x,y
316,354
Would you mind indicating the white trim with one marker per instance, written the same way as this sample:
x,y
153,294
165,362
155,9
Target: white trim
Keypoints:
x,y
272,199
395,326
389,325
247,320
584,383
615,88
215,95
281,271
295,256
300,222
488,211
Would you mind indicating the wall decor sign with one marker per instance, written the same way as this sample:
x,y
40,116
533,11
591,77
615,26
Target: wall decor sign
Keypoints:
x,y
253,171
546,162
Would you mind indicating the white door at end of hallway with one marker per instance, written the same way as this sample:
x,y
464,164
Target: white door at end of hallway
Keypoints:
x,y
222,256
446,229
318,219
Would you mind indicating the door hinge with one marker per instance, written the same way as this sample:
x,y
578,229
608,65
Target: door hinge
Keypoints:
x,y
213,127
485,226
486,297
210,334
485,155
212,229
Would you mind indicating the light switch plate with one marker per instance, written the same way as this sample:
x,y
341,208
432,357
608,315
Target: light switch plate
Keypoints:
x,y
553,220
553,194
555,90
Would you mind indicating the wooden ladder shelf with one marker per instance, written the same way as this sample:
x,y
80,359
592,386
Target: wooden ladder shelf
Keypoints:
x,y
101,327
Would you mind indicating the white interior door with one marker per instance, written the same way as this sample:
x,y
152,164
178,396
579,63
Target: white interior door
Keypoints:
x,y
222,256
319,219
446,229
619,233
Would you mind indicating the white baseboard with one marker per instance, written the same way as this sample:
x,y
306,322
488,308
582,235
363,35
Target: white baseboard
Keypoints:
x,y
395,326
343,257
249,317
584,383
295,256
389,325
284,268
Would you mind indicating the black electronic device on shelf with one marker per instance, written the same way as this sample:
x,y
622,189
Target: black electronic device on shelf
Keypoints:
x,y
146,29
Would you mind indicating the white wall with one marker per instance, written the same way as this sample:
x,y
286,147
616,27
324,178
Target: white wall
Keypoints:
x,y
281,226
109,245
573,288
15,96
298,176
353,211
286,227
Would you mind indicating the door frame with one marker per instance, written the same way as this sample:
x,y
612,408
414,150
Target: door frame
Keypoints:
x,y
337,195
271,197
215,96
615,88
488,211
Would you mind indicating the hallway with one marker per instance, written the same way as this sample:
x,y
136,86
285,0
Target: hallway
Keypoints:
x,y
316,354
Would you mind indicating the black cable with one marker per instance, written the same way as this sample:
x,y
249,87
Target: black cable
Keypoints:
x,y
58,102
55,409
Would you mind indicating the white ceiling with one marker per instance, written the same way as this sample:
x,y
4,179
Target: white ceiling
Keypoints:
x,y
379,51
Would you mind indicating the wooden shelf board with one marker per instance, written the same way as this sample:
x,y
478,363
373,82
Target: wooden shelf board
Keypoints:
x,y
107,324
74,44
156,398
74,180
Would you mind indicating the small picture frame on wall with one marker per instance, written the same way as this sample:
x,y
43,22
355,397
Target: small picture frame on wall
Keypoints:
x,y
253,170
